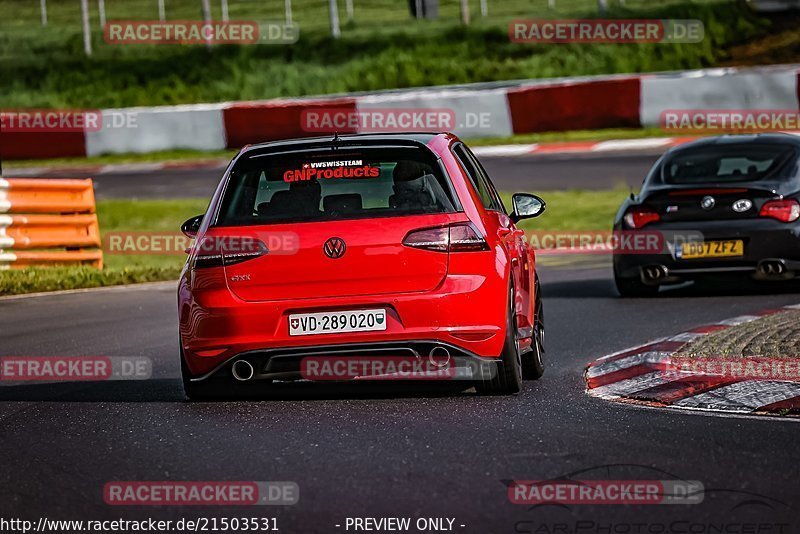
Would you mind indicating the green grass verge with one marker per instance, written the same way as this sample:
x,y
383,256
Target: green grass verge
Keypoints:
x,y
566,210
382,48
114,216
187,155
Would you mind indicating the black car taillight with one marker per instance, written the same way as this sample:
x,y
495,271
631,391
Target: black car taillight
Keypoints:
x,y
223,251
787,210
459,237
638,216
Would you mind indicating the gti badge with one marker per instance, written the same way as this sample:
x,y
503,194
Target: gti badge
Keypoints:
x,y
742,205
334,247
708,202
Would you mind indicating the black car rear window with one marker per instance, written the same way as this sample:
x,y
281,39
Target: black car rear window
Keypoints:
x,y
328,185
742,162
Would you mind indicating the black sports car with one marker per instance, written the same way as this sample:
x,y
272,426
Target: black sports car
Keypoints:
x,y
719,206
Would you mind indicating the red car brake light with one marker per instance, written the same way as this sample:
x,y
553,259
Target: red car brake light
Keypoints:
x,y
223,251
787,210
638,216
460,237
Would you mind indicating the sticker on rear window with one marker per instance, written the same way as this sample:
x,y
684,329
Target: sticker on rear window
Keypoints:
x,y
331,169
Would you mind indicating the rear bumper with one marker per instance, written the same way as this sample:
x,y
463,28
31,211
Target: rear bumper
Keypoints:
x,y
466,312
287,363
765,242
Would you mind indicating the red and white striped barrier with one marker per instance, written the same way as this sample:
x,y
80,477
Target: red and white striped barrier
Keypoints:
x,y
478,110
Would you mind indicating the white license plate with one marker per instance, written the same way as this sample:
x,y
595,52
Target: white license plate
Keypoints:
x,y
304,324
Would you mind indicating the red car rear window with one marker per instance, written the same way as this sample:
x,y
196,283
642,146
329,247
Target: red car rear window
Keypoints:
x,y
325,185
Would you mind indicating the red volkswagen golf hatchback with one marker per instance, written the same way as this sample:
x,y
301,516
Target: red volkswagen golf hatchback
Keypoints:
x,y
360,246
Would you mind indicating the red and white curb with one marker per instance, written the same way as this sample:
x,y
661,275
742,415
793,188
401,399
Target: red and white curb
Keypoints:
x,y
620,146
644,375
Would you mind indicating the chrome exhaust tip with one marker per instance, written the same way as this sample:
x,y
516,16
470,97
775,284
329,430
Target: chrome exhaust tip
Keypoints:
x,y
772,267
242,370
654,273
439,357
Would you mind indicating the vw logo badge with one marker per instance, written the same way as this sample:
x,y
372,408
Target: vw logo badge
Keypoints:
x,y
334,247
742,205
708,202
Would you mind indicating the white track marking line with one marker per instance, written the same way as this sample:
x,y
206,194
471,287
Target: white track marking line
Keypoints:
x,y
687,336
629,349
743,396
739,320
144,286
631,144
504,150
635,384
627,362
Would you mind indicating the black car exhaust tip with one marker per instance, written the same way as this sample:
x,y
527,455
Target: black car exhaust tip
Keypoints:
x,y
242,370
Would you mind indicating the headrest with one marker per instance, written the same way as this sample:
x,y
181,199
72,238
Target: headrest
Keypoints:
x,y
306,189
281,197
406,170
345,203
263,208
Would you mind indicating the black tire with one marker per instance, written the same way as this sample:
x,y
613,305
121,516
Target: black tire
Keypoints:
x,y
533,360
508,379
633,287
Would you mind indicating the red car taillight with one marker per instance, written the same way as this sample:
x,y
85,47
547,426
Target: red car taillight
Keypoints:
x,y
222,251
783,210
639,216
461,237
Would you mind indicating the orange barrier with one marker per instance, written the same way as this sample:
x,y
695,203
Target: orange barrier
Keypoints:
x,y
47,214
47,196
45,231
45,258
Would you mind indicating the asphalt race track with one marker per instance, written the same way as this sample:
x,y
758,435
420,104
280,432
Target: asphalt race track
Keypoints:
x,y
517,173
366,452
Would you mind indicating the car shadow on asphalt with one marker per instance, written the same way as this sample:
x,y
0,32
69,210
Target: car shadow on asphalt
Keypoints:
x,y
171,390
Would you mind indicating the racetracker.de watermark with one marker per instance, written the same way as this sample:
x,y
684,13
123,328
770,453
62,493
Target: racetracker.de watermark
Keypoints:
x,y
439,365
65,120
195,32
200,493
606,492
177,244
605,242
21,369
606,31
697,121
745,368
373,120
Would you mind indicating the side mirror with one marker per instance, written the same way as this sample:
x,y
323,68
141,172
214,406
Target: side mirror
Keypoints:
x,y
192,226
526,206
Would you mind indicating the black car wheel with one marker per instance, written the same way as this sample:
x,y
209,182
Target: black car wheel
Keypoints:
x,y
533,361
508,379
